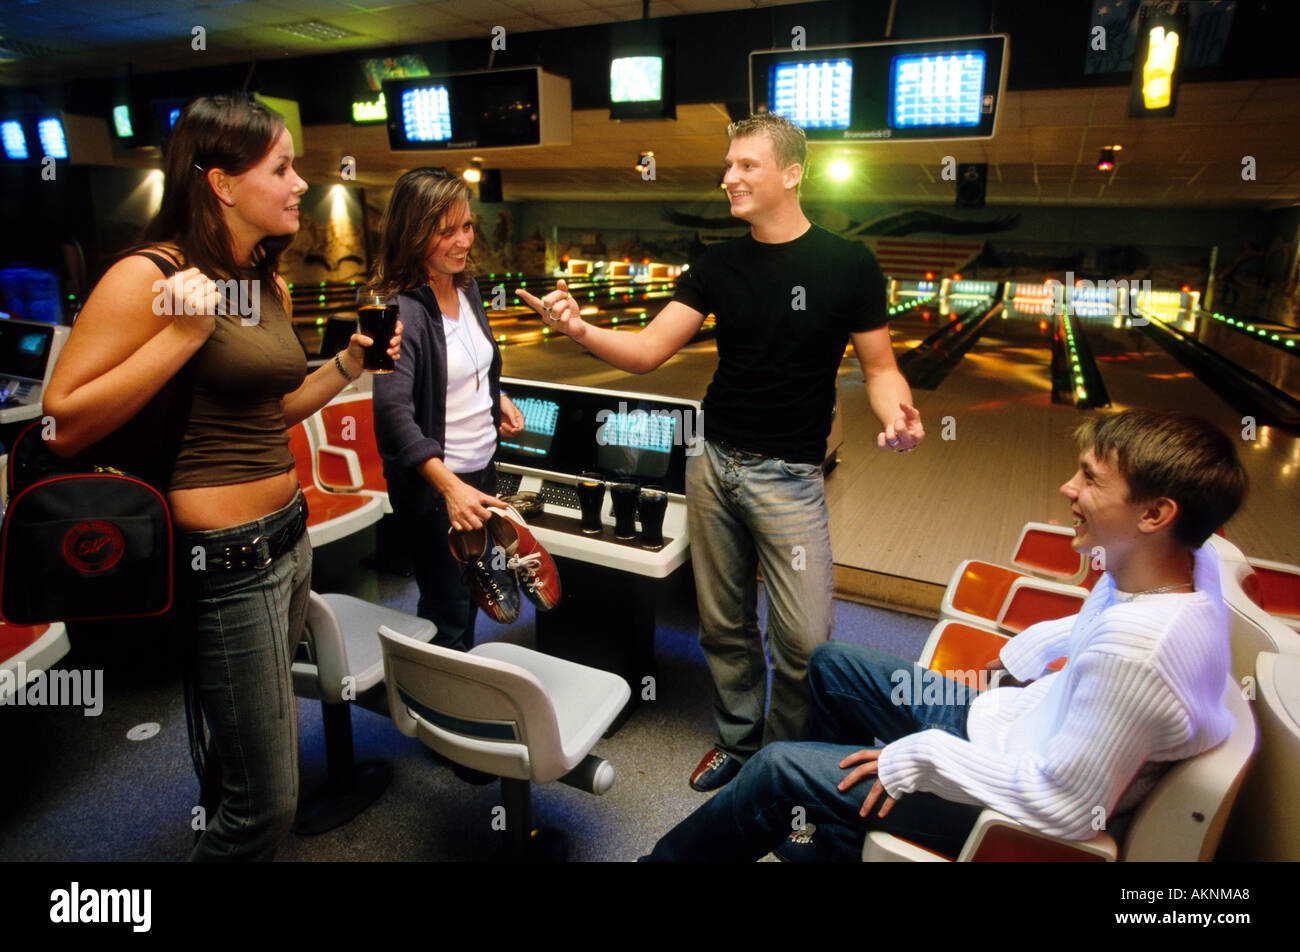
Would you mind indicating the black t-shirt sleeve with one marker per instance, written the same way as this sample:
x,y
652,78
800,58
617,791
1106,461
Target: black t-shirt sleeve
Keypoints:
x,y
869,290
692,285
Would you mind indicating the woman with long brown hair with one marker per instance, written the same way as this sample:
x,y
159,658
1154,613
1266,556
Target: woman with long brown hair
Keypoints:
x,y
221,365
438,415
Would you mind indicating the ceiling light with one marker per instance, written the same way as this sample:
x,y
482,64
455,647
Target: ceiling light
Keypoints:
x,y
1106,159
474,173
315,30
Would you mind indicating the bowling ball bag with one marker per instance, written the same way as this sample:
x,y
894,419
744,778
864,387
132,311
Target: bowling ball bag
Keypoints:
x,y
80,541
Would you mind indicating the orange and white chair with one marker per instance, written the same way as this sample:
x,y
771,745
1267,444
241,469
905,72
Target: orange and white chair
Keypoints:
x,y
347,457
331,516
1277,590
1252,629
1055,582
28,649
1181,819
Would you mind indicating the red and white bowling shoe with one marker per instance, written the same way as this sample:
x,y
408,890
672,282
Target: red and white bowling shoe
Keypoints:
x,y
533,566
491,584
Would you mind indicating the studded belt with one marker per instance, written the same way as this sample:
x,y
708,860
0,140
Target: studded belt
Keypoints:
x,y
260,550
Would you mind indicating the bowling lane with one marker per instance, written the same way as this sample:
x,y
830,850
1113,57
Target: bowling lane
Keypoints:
x,y
996,450
1139,373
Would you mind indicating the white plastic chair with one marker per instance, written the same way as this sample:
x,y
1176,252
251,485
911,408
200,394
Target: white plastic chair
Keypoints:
x,y
345,664
1266,823
508,711
1181,819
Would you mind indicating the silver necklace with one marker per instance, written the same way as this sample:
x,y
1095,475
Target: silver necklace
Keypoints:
x,y
1158,591
468,347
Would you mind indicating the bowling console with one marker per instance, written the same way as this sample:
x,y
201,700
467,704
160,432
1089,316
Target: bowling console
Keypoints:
x,y
606,616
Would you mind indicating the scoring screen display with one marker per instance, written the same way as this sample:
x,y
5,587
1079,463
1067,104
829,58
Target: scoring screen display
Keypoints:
x,y
15,140
426,114
572,430
945,88
636,79
24,350
813,95
941,90
635,443
539,426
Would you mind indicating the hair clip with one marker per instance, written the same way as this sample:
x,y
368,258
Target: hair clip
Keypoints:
x,y
199,167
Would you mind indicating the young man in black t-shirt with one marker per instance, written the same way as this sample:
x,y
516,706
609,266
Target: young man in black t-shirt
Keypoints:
x,y
788,297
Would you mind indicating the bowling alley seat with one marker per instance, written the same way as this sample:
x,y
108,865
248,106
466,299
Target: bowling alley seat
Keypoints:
x,y
331,516
35,647
1278,590
347,457
1252,628
1181,819
1266,824
1054,582
341,662
508,711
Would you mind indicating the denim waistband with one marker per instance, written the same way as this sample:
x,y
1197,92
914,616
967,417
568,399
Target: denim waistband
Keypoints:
x,y
268,525
732,449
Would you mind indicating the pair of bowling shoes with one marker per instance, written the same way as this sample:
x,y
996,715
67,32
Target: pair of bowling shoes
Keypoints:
x,y
501,560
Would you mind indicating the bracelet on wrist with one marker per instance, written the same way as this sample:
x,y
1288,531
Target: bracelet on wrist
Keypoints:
x,y
338,365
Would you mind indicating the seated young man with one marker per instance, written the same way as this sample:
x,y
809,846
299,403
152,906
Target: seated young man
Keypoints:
x,y
1148,660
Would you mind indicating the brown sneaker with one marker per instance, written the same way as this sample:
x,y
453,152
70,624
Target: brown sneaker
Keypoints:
x,y
487,574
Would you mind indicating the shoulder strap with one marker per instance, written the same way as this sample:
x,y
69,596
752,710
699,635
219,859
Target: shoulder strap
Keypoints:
x,y
165,265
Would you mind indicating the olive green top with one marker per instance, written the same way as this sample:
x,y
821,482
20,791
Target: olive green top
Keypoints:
x,y
236,431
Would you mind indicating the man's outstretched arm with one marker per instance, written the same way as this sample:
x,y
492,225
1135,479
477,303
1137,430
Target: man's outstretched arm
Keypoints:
x,y
638,352
888,392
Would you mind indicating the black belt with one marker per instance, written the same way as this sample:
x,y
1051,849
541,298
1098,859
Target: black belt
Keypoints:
x,y
260,551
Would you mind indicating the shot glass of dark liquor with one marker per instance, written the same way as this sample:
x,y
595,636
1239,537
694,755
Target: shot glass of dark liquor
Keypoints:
x,y
377,319
652,505
624,496
591,497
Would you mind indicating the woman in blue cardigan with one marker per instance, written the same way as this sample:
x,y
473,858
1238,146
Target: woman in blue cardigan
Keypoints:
x,y
438,415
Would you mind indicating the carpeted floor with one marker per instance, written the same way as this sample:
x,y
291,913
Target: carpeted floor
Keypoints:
x,y
79,789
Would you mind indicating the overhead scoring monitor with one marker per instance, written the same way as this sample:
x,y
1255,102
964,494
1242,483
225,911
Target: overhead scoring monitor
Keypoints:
x,y
916,89
495,108
641,82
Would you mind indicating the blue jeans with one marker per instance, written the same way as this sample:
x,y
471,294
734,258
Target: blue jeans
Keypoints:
x,y
444,597
248,626
745,511
851,689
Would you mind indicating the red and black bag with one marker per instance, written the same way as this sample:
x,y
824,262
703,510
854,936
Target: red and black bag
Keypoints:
x,y
91,537
81,543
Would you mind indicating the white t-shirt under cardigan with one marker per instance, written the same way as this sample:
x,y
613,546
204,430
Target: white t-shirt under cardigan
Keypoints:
x,y
471,438
1142,688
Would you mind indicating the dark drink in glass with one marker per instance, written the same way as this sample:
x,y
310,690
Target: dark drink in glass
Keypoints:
x,y
591,496
624,496
377,320
652,506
